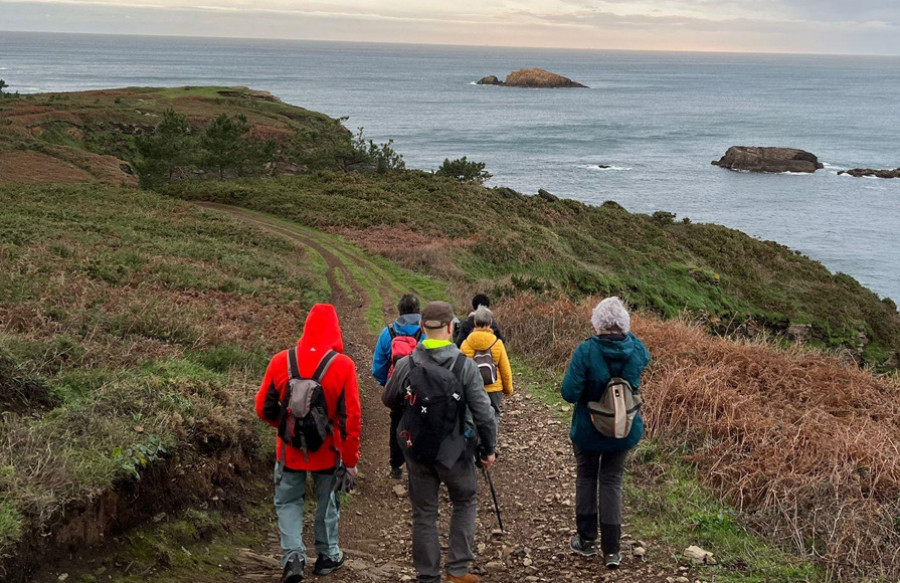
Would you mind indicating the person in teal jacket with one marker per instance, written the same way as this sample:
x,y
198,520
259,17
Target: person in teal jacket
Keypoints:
x,y
613,352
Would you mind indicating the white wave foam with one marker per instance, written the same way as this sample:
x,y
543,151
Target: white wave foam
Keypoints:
x,y
864,176
796,173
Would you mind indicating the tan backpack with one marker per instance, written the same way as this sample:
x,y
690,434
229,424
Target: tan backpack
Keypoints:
x,y
614,413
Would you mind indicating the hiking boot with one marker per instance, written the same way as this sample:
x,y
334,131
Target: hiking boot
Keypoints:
x,y
325,565
467,578
612,560
396,473
584,547
293,570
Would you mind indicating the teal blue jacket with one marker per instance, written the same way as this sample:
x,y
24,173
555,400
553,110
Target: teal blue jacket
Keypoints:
x,y
593,363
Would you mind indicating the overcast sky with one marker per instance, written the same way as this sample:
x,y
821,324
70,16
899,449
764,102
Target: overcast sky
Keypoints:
x,y
810,26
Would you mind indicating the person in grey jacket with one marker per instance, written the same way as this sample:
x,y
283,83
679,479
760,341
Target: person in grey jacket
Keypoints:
x,y
455,464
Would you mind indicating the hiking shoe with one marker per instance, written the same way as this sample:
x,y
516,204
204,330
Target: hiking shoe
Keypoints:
x,y
293,570
612,560
325,565
396,473
583,547
467,578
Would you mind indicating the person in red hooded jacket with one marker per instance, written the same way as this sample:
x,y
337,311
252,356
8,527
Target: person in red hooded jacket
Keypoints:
x,y
321,334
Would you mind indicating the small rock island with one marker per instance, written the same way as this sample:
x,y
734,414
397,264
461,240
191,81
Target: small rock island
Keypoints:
x,y
863,172
532,78
756,159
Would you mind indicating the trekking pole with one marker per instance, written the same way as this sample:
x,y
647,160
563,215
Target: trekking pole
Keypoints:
x,y
487,476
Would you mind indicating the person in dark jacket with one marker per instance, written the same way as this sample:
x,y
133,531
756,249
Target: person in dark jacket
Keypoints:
x,y
454,465
613,352
321,335
467,326
407,324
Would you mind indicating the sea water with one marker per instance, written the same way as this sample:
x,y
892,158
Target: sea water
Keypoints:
x,y
656,119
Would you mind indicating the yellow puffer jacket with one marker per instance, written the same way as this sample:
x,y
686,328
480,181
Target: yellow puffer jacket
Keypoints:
x,y
481,339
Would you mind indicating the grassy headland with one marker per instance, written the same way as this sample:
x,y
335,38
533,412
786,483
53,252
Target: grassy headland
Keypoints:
x,y
131,326
509,242
472,236
91,135
130,322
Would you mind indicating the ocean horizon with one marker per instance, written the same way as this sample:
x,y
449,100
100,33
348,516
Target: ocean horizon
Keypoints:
x,y
655,119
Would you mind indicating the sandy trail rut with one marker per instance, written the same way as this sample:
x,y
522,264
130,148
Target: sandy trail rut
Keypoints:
x,y
534,476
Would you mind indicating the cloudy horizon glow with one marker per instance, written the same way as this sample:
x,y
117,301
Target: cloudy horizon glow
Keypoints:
x,y
793,26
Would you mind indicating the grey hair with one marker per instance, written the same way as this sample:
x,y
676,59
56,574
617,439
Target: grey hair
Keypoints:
x,y
483,317
610,315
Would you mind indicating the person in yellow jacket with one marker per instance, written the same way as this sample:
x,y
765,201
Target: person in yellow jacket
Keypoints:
x,y
489,353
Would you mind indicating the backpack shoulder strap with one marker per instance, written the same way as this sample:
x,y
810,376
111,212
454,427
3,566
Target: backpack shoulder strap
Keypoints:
x,y
458,366
418,335
391,331
293,368
324,365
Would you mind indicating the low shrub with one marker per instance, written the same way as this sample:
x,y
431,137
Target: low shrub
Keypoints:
x,y
802,445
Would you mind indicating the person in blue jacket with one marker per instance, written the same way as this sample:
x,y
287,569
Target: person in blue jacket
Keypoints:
x,y
613,352
408,324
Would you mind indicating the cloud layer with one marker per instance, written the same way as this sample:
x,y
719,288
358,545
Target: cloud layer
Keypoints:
x,y
821,26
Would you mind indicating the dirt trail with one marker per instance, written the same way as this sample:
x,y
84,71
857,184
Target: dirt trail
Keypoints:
x,y
534,475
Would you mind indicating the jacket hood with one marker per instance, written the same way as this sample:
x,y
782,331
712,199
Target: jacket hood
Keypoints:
x,y
618,350
441,356
322,331
409,320
408,324
481,339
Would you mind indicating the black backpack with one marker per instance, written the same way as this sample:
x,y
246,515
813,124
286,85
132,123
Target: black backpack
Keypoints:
x,y
304,422
435,405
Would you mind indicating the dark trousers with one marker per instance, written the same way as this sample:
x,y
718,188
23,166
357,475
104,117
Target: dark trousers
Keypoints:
x,y
396,452
598,495
496,401
424,485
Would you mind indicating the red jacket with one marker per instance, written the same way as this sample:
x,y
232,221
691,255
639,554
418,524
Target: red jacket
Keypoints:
x,y
321,333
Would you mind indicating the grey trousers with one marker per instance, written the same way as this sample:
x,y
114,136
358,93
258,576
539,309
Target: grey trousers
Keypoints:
x,y
424,482
598,482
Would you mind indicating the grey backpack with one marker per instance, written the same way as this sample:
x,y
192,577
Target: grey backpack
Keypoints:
x,y
304,422
614,413
486,365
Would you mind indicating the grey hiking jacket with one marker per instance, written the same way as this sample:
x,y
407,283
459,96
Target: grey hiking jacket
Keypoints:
x,y
479,413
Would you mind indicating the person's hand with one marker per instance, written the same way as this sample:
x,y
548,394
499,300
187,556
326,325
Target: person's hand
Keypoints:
x,y
352,472
487,462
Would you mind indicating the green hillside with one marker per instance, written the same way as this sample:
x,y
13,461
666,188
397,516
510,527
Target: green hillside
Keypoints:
x,y
509,242
133,328
91,135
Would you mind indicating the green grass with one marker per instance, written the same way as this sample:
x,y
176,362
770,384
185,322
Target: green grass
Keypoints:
x,y
199,546
10,519
381,280
668,504
131,328
342,283
374,315
517,242
107,121
397,279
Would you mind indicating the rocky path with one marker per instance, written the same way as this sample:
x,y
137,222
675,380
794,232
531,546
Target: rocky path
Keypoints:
x,y
534,475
